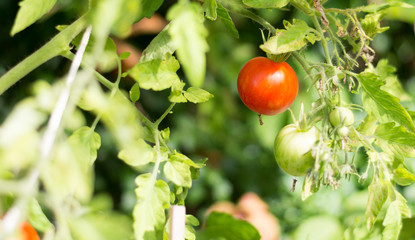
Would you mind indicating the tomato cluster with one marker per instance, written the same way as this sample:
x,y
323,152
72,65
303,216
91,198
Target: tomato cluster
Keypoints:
x,y
267,87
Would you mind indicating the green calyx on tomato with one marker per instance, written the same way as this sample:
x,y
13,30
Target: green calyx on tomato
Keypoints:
x,y
292,149
341,116
267,87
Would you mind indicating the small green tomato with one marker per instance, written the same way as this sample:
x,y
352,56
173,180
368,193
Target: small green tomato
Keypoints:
x,y
292,149
341,116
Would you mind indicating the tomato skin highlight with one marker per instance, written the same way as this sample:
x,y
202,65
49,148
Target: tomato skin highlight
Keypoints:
x,y
292,149
267,87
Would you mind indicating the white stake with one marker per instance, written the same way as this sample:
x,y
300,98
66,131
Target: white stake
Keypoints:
x,y
177,222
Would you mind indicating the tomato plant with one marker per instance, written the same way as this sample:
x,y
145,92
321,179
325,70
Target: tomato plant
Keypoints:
x,y
267,87
292,149
74,106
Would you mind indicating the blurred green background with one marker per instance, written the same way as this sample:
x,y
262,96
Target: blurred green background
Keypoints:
x,y
239,150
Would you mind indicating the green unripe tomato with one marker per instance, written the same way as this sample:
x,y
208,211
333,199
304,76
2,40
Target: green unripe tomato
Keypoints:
x,y
292,149
341,116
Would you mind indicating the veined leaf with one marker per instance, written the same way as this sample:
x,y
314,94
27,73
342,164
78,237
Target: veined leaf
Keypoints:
x,y
183,158
392,222
209,7
135,92
148,7
66,175
403,176
160,47
137,153
189,37
226,19
153,197
395,134
395,140
293,38
378,193
156,74
176,94
375,7
266,3
371,24
197,95
402,205
387,73
85,143
29,12
178,172
37,218
382,105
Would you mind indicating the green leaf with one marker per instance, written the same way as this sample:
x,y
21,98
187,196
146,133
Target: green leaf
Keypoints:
x,y
156,74
378,193
192,220
138,153
153,197
382,105
392,85
178,172
37,218
395,134
148,7
392,222
402,205
293,38
65,175
403,176
176,94
322,227
183,158
371,24
209,6
132,11
197,95
368,126
226,19
100,225
85,144
29,12
160,47
120,117
376,7
266,3
224,226
189,37
135,92
19,131
124,55
395,141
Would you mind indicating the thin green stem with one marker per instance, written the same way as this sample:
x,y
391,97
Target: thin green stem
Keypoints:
x,y
157,123
323,39
57,45
156,134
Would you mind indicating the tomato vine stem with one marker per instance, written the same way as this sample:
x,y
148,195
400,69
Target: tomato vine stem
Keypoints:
x,y
57,45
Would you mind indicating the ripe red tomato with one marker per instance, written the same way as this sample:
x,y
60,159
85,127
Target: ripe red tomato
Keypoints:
x,y
267,87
